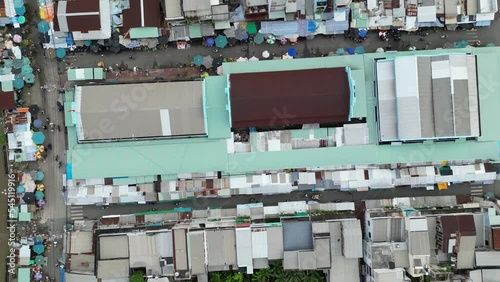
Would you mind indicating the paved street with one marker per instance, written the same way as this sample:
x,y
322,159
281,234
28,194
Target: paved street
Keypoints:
x,y
94,212
320,45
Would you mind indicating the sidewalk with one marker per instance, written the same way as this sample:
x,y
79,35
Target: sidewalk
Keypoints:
x,y
169,74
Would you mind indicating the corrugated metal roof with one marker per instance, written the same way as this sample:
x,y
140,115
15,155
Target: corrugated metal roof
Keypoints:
x,y
281,98
197,252
297,235
112,247
431,227
496,238
291,260
419,243
180,248
322,252
173,9
485,259
244,247
259,243
425,96
307,260
221,245
408,113
112,269
352,239
275,242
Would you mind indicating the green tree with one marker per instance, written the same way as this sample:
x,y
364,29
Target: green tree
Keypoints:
x,y
262,275
215,277
137,276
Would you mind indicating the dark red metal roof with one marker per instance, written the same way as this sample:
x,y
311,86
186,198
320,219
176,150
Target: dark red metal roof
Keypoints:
x,y
270,99
7,100
133,17
496,238
456,225
84,23
82,6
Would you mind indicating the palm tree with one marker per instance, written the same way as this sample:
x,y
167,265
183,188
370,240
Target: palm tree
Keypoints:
x,y
262,275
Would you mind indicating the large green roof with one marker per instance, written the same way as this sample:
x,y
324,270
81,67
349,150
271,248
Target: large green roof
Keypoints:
x,y
208,154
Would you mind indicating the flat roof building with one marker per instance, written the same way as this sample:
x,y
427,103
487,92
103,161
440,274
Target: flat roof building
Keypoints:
x,y
85,19
149,110
427,97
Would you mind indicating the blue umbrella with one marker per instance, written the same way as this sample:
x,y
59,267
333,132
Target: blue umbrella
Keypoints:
x,y
18,3
359,50
37,123
18,83
292,52
21,11
350,51
39,195
198,60
60,53
221,41
362,32
87,43
20,189
38,249
29,78
43,27
210,42
40,175
38,137
25,69
340,51
463,44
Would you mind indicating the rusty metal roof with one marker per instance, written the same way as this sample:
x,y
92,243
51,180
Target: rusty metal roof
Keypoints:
x,y
271,99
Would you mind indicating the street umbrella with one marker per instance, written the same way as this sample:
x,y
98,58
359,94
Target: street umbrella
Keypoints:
x,y
20,189
94,47
491,44
207,61
20,11
362,32
340,51
87,43
265,54
380,50
115,49
41,202
40,175
198,60
26,69
292,52
218,62
60,53
38,249
258,38
463,44
253,59
252,28
17,63
219,70
210,41
242,59
37,123
29,198
229,32
21,19
40,260
350,51
241,34
38,137
38,239
25,51
29,78
17,71
271,39
39,195
38,276
359,50
220,41
34,109
43,27
18,3
18,83
17,38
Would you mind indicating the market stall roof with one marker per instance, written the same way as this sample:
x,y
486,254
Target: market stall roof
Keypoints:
x,y
168,109
289,97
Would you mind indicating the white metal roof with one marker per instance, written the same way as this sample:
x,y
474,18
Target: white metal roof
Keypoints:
x,y
352,239
426,14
